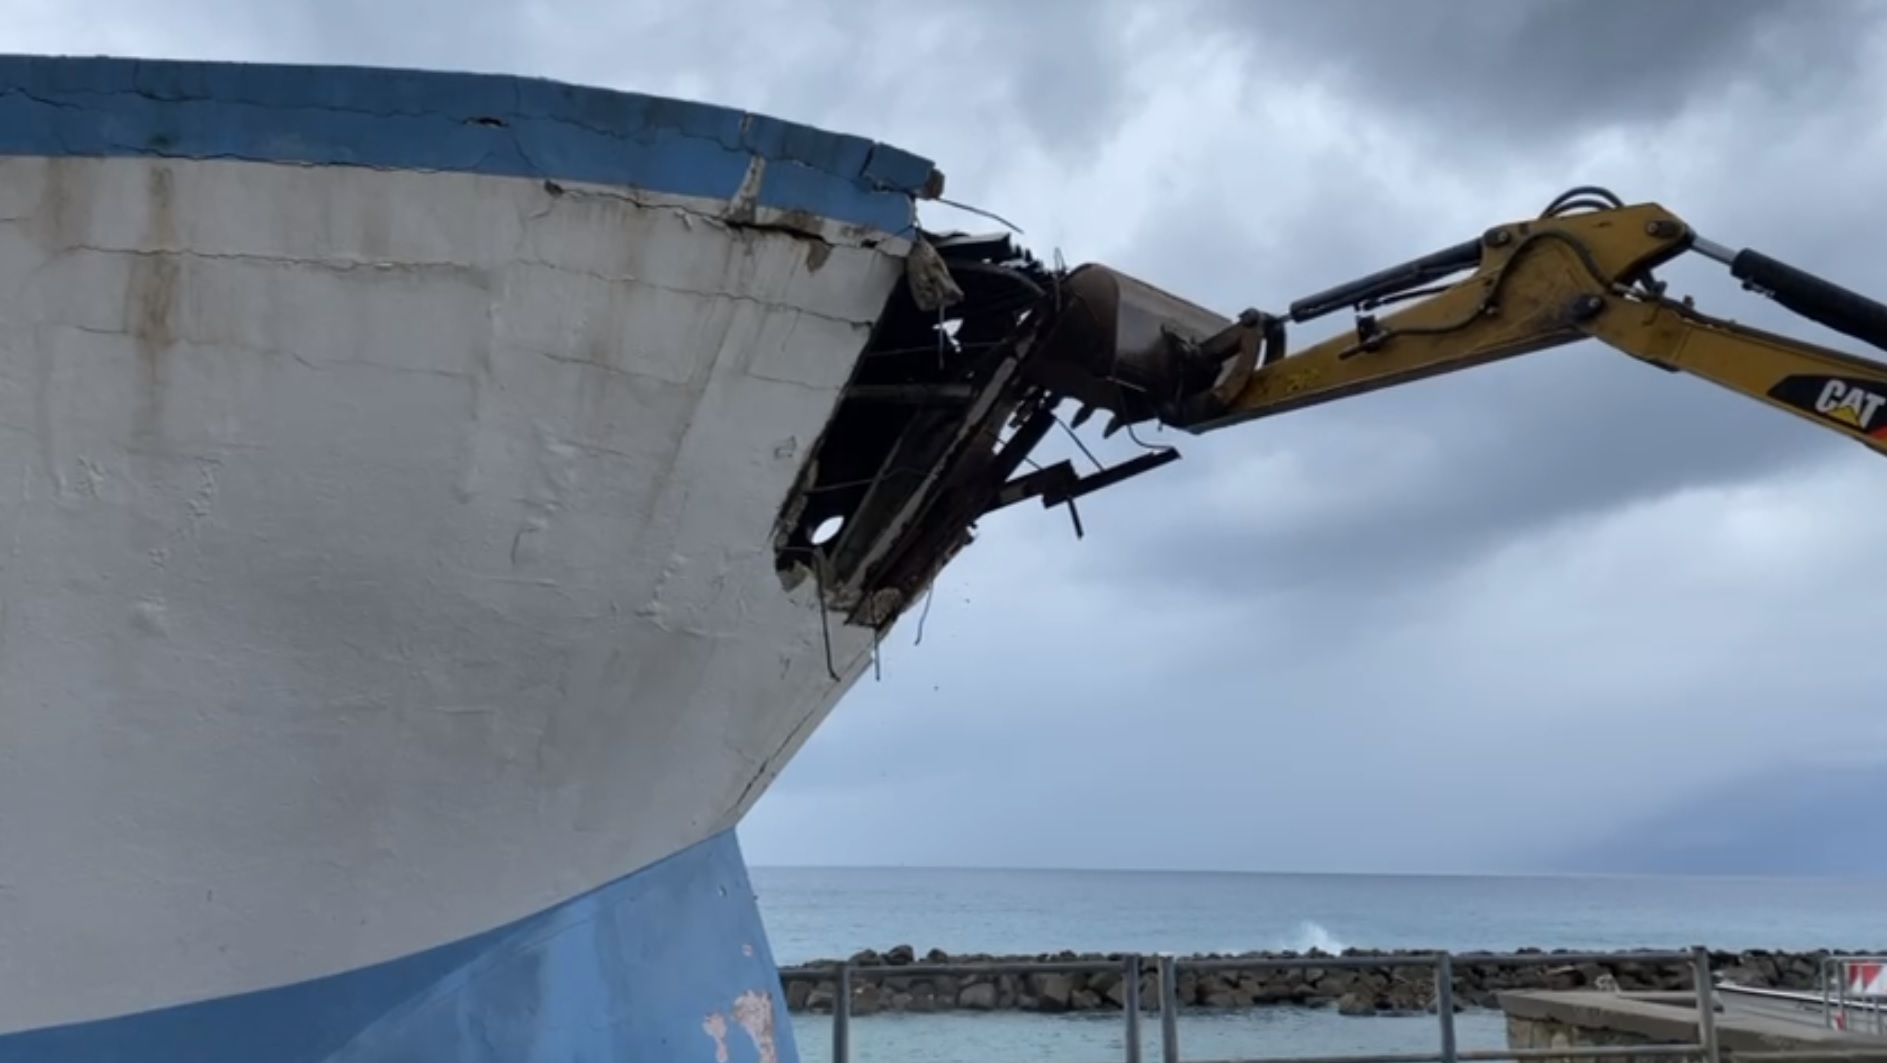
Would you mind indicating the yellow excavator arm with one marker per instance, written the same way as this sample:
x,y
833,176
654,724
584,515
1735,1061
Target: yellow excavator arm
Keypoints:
x,y
918,451
1583,269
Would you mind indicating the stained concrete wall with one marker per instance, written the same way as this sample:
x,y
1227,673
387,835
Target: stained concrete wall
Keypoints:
x,y
1530,1033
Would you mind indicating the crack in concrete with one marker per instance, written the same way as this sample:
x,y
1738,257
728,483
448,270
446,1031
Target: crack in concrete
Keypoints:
x,y
481,275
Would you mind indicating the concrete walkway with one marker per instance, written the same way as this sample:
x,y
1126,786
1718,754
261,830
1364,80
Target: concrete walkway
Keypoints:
x,y
1745,1022
1797,1009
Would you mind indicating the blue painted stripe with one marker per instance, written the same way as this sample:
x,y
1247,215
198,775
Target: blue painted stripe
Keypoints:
x,y
632,971
426,120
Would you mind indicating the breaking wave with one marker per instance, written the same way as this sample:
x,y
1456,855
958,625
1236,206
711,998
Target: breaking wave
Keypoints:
x,y
1312,935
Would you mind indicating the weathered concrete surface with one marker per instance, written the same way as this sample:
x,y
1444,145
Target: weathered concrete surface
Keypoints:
x,y
1589,1018
389,537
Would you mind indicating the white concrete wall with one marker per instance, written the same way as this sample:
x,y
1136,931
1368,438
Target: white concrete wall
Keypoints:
x,y
383,556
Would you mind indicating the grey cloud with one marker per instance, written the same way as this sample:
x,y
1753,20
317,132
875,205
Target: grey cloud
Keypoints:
x,y
1540,448
871,70
1508,452
1755,822
1529,70
1507,448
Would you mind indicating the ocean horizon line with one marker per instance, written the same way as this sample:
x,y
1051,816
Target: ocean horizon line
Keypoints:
x,y
1543,875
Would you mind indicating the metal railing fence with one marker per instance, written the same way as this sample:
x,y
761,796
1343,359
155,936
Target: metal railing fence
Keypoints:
x,y
1132,967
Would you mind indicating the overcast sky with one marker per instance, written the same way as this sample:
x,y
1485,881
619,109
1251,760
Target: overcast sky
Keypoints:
x,y
1489,622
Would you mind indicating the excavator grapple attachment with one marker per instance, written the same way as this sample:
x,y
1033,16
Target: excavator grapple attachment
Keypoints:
x,y
1142,353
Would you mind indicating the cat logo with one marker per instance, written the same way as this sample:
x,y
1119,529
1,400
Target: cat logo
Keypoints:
x,y
1853,404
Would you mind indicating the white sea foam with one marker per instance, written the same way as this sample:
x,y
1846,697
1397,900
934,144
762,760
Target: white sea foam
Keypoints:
x,y
1313,935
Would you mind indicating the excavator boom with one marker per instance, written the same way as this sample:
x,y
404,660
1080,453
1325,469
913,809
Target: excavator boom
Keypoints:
x,y
989,347
1584,269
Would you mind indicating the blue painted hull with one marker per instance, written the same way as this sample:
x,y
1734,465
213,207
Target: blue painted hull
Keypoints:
x,y
669,964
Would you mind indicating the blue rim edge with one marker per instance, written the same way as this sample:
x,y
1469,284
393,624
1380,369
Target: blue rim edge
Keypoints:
x,y
653,966
493,124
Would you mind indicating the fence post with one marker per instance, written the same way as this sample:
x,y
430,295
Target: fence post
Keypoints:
x,y
842,1016
1169,1009
1827,1003
1706,1002
1445,1003
1132,997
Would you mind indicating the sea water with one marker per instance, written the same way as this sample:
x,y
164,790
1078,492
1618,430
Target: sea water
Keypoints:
x,y
819,914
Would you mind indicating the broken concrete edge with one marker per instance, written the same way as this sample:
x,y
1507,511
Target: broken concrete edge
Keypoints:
x,y
1660,1017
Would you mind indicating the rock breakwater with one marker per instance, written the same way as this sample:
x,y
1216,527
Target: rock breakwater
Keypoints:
x,y
1395,988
